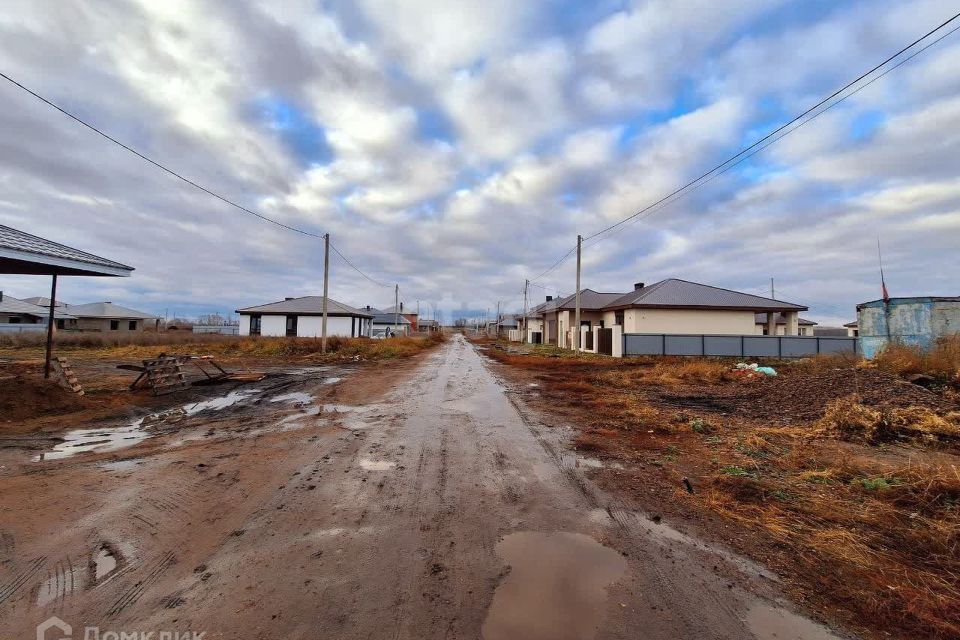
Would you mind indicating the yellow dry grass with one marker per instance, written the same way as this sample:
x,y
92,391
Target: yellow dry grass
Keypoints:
x,y
847,419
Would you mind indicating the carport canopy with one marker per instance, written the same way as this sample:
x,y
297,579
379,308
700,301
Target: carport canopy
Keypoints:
x,y
26,254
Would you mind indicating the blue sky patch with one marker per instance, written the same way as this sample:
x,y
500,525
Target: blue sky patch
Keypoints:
x,y
305,138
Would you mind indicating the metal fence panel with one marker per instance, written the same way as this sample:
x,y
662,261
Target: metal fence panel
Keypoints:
x,y
722,345
654,344
797,347
761,346
683,345
637,344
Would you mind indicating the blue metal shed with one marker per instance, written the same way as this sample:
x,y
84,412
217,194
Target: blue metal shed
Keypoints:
x,y
915,321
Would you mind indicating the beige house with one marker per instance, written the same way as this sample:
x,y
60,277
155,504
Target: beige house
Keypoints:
x,y
670,306
804,326
107,317
853,329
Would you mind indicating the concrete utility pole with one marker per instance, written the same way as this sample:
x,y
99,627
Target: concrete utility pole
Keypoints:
x,y
326,286
526,288
773,294
576,321
396,307
497,334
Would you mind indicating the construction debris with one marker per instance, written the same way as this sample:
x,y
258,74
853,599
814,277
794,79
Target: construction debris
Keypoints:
x,y
66,378
165,373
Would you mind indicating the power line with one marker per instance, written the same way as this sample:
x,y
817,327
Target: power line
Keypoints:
x,y
794,120
357,269
157,164
676,195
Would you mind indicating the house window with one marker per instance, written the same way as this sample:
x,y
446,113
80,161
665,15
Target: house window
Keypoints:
x,y
15,320
291,326
61,323
618,317
255,325
132,325
114,325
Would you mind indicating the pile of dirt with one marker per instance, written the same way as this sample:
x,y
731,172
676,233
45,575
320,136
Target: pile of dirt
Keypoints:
x,y
801,396
26,395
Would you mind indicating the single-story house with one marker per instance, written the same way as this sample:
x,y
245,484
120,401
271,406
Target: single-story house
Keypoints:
x,y
106,317
804,326
428,325
20,315
853,329
917,321
670,306
388,324
412,317
303,317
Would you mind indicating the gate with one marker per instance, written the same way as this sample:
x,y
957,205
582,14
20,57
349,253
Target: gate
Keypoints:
x,y
605,342
587,340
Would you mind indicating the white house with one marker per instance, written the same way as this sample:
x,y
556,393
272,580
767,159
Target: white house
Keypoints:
x,y
303,318
388,323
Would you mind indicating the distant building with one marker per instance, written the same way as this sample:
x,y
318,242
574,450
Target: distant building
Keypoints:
x,y
386,323
97,316
804,326
915,321
853,329
17,316
303,317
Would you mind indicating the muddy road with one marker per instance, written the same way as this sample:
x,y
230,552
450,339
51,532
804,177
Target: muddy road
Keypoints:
x,y
430,503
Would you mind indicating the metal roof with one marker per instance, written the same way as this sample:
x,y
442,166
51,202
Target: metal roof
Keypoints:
x,y
306,306
676,293
761,318
24,253
590,300
380,317
106,310
22,307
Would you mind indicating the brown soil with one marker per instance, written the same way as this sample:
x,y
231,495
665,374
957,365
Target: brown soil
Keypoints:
x,y
863,535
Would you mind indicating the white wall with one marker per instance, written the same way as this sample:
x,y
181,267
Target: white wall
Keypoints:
x,y
690,321
312,326
244,324
273,325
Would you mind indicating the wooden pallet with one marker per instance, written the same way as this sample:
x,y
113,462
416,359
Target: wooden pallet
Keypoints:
x,y
66,378
165,375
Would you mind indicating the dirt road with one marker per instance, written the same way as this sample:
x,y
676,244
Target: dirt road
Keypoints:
x,y
434,506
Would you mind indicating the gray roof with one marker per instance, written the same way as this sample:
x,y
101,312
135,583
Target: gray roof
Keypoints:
x,y
22,307
761,318
380,317
22,252
106,310
589,299
43,302
393,309
682,294
306,306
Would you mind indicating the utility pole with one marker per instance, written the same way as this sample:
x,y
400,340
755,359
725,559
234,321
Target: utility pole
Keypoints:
x,y
326,286
51,319
576,332
396,307
773,294
526,288
497,334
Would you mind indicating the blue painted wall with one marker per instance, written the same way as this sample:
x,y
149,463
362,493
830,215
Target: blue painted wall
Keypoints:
x,y
912,321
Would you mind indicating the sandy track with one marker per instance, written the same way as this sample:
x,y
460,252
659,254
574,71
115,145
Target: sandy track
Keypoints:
x,y
442,509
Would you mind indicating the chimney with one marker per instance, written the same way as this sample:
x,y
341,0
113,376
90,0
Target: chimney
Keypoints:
x,y
549,298
401,307
637,286
285,299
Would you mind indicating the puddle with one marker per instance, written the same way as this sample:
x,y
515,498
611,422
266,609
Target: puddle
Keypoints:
x,y
377,465
332,380
217,404
121,465
556,588
769,623
100,440
296,396
103,563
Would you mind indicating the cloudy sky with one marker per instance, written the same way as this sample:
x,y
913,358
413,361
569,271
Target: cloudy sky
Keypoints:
x,y
458,148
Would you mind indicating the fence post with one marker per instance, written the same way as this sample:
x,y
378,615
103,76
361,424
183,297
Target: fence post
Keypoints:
x,y
663,345
703,345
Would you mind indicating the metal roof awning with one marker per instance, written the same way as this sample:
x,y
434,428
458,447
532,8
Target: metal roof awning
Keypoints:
x,y
27,254
23,253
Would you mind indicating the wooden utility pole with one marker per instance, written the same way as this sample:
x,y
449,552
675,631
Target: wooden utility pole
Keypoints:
x,y
576,332
50,321
526,288
326,287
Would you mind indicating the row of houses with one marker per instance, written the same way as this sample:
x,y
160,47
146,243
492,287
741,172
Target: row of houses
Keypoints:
x,y
303,317
29,314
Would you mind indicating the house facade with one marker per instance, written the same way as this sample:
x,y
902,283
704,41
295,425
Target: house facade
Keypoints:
x,y
18,316
670,306
385,324
104,317
303,318
804,326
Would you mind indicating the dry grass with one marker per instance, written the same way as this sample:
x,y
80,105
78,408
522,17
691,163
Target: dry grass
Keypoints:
x,y
148,345
941,361
848,420
668,371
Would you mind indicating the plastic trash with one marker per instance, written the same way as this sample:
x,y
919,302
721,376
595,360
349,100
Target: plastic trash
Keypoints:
x,y
767,371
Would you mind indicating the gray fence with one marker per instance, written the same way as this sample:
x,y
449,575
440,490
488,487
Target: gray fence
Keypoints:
x,y
666,344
